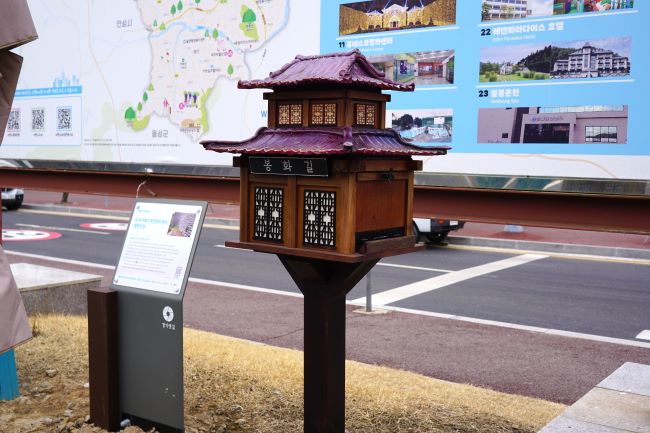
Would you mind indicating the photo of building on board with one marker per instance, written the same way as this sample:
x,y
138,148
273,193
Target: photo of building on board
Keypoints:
x,y
384,15
579,124
572,59
423,126
493,10
564,7
424,68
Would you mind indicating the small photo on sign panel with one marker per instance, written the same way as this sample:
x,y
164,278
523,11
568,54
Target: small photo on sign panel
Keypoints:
x,y
181,224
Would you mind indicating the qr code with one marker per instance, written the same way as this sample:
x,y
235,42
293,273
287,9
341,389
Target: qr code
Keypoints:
x,y
13,124
64,118
38,119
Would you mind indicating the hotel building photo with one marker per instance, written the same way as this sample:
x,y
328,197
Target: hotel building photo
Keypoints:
x,y
591,62
578,124
562,7
505,9
382,15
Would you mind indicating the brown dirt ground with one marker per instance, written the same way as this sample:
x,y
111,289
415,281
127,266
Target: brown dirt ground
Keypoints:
x,y
237,386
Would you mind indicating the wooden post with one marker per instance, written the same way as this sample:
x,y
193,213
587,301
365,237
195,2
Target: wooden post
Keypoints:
x,y
102,359
324,284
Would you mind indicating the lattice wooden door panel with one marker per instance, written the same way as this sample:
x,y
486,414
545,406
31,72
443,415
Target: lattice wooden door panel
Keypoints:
x,y
319,218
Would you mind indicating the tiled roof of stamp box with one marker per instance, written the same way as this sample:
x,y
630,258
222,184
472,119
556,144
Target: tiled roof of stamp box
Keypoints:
x,y
344,68
324,141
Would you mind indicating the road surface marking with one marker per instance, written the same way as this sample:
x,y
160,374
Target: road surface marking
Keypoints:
x,y
390,296
77,214
391,265
220,226
225,247
245,287
503,250
61,229
569,256
118,227
548,331
415,268
644,335
59,260
114,217
17,235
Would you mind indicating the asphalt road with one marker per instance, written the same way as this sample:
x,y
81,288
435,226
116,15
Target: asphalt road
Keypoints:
x,y
594,297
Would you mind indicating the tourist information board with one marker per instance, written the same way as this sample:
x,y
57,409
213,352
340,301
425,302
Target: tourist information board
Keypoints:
x,y
150,278
527,87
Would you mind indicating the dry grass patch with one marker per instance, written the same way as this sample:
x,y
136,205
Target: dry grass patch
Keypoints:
x,y
238,386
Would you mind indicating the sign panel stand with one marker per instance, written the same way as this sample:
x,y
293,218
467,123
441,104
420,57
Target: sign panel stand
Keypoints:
x,y
150,279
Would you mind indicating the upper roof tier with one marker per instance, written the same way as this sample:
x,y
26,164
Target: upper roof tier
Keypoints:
x,y
325,141
346,68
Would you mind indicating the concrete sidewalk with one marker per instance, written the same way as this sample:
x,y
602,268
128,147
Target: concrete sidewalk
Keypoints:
x,y
619,404
549,240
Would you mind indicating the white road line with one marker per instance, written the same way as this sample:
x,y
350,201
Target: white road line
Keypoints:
x,y
194,280
58,260
77,214
245,287
114,217
568,256
61,229
391,265
415,268
428,285
220,226
557,332
644,335
548,331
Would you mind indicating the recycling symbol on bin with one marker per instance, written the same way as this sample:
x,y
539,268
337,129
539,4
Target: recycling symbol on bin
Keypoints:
x,y
168,314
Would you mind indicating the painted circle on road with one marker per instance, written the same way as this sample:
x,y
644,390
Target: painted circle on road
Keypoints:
x,y
28,235
118,227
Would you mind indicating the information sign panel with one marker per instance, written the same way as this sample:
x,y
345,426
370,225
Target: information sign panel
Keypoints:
x,y
150,278
158,246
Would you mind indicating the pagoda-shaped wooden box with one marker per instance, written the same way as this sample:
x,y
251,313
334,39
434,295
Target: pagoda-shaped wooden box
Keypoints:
x,y
324,179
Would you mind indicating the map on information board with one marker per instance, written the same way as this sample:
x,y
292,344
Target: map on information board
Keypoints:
x,y
146,80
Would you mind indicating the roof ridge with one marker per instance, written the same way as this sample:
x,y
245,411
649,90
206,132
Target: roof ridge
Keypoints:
x,y
343,140
355,51
300,58
346,67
